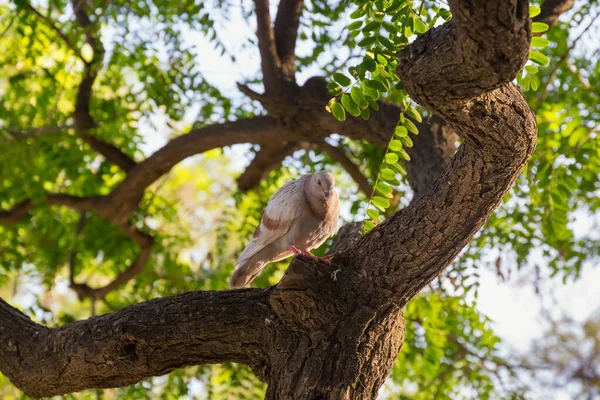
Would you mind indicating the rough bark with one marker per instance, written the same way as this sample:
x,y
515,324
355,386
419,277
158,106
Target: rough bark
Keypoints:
x,y
433,149
143,340
325,331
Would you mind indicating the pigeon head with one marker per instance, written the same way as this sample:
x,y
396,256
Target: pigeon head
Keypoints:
x,y
322,184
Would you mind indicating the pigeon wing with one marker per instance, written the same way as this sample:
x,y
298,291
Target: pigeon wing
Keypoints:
x,y
284,207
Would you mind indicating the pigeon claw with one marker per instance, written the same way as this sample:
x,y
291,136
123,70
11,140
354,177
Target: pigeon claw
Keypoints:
x,y
325,259
295,250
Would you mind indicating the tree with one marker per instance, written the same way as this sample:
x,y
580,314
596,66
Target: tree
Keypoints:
x,y
73,156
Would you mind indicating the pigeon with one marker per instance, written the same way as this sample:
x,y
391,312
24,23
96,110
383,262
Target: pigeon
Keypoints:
x,y
299,217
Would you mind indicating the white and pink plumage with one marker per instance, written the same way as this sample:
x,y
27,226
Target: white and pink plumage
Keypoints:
x,y
299,217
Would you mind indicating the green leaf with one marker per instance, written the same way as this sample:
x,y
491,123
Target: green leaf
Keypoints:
x,y
402,153
368,225
342,79
395,145
399,168
407,141
368,41
384,189
338,111
420,26
334,88
414,114
373,214
538,58
377,85
365,114
355,25
386,43
391,158
358,97
371,26
411,127
538,27
534,11
370,64
373,104
387,174
350,105
540,42
532,69
381,60
358,13
380,202
400,131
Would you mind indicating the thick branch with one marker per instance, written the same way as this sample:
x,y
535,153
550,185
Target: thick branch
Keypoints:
x,y
147,339
352,169
286,33
270,63
461,71
265,160
125,198
489,61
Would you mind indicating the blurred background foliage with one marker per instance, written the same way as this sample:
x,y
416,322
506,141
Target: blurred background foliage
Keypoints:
x,y
153,85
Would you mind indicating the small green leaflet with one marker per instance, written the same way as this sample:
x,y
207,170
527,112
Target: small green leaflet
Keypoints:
x,y
380,202
538,57
538,27
414,114
342,79
338,111
350,105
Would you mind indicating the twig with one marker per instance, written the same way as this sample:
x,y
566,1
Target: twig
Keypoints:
x,y
270,62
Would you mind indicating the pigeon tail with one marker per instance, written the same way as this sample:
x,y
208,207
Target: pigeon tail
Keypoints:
x,y
244,273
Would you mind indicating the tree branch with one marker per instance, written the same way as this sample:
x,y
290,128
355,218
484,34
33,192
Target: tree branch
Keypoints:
x,y
82,115
125,198
551,10
145,243
147,339
21,209
46,130
287,23
352,169
270,62
460,70
265,160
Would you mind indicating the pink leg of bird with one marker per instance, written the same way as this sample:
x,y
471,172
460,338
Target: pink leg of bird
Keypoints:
x,y
324,259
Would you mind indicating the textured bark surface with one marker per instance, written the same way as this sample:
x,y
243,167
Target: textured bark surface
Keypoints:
x,y
325,331
433,149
